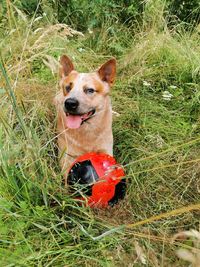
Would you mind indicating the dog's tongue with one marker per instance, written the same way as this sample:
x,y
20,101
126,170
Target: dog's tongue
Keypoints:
x,y
73,121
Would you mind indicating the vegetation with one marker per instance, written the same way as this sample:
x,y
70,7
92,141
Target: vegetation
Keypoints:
x,y
156,135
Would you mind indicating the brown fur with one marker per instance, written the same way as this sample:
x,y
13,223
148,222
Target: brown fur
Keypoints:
x,y
95,135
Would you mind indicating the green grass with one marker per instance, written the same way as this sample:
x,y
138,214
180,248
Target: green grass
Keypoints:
x,y
40,224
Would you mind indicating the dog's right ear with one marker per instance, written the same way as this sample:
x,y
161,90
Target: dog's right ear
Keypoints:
x,y
66,66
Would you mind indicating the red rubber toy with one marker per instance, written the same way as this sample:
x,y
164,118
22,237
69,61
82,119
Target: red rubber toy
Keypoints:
x,y
98,179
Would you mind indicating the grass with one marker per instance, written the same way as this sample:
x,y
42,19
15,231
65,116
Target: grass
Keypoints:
x,y
157,140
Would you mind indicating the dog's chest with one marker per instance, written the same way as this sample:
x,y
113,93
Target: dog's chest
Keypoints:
x,y
80,142
84,140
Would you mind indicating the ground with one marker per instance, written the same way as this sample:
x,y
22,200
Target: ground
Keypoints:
x,y
156,137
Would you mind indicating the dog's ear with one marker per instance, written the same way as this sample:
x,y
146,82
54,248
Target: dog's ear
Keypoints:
x,y
107,71
66,66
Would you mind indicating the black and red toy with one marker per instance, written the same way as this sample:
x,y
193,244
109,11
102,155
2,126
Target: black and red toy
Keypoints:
x,y
98,179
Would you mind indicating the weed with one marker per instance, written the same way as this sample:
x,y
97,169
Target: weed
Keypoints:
x,y
156,136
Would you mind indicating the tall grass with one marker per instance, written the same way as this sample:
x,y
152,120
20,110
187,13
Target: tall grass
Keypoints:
x,y
156,139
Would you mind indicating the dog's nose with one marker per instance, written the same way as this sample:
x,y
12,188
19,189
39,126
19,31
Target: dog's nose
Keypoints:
x,y
71,104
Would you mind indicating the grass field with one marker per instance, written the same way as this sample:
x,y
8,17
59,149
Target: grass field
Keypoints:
x,y
156,138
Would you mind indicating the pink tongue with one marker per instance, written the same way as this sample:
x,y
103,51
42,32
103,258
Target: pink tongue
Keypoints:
x,y
73,121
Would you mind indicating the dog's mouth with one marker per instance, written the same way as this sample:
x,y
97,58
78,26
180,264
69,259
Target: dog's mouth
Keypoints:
x,y
74,121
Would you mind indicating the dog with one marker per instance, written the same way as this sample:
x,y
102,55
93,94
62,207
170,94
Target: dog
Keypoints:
x,y
84,112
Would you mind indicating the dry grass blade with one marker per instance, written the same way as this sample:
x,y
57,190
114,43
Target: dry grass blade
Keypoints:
x,y
51,63
185,234
191,255
165,215
187,256
140,253
172,148
38,44
61,30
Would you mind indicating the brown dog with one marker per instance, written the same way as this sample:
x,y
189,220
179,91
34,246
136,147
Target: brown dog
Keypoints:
x,y
84,111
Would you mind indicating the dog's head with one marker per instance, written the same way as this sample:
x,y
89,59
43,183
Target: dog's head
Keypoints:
x,y
84,94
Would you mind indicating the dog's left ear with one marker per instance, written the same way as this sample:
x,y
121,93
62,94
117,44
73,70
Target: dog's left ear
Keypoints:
x,y
107,71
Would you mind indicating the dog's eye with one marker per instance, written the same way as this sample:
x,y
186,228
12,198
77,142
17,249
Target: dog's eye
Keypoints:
x,y
89,91
68,88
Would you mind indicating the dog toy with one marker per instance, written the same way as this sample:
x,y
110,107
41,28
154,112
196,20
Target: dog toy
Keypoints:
x,y
97,179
